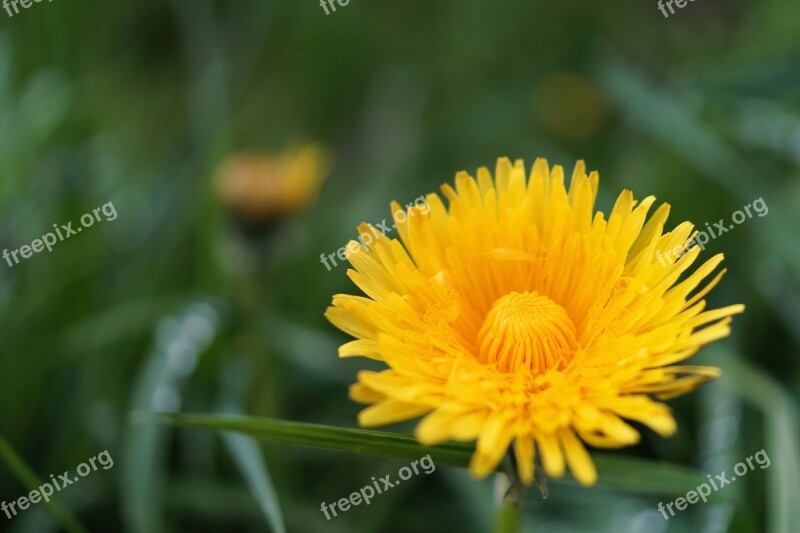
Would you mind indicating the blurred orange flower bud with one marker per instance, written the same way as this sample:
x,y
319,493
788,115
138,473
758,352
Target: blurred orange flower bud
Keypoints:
x,y
258,187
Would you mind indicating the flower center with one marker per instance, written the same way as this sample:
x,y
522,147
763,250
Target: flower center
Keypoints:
x,y
527,330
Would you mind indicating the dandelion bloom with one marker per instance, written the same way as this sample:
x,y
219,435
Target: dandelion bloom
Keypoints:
x,y
259,187
519,315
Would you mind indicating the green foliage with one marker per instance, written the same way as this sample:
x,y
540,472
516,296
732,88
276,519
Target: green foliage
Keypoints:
x,y
177,306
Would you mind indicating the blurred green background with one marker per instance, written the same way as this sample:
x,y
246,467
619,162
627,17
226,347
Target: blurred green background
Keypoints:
x,y
185,303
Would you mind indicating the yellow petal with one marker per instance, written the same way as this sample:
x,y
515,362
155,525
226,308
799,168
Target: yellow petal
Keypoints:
x,y
580,464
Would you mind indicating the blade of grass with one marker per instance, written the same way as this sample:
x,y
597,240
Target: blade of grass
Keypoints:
x,y
661,115
634,474
360,441
615,472
181,340
31,481
244,449
247,456
782,431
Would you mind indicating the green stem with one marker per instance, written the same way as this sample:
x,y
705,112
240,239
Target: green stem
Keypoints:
x,y
509,514
509,517
31,481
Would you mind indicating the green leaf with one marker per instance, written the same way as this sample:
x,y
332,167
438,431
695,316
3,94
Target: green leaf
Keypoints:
x,y
244,449
642,475
247,456
181,340
31,481
615,471
360,441
781,435
660,114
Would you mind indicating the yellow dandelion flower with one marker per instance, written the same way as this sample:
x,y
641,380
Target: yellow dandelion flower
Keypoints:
x,y
261,187
519,316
